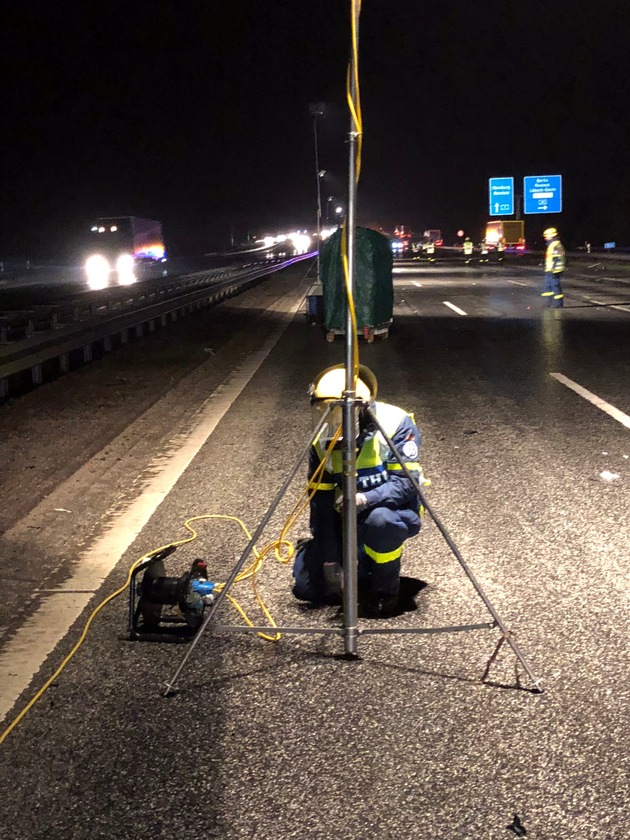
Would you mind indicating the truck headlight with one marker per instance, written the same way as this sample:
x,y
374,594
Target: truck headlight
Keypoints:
x,y
125,268
97,271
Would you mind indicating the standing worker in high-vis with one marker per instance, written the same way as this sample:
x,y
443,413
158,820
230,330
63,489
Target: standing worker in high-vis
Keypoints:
x,y
555,264
388,504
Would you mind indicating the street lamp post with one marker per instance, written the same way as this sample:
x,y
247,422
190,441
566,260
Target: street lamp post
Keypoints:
x,y
317,109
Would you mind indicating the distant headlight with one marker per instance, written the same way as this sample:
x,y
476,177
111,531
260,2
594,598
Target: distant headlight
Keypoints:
x,y
97,271
125,269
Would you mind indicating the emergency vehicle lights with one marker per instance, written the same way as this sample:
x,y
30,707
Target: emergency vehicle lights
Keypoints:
x,y
154,252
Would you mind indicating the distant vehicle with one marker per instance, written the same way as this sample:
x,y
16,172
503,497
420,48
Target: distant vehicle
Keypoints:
x,y
433,237
505,236
402,240
123,249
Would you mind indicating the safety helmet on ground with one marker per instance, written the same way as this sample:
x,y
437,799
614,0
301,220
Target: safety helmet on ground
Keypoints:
x,y
550,233
331,383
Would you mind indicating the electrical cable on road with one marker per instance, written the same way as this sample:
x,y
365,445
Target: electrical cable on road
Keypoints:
x,y
349,404
282,548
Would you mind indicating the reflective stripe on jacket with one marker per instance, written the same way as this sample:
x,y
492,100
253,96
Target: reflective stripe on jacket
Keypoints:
x,y
376,464
555,258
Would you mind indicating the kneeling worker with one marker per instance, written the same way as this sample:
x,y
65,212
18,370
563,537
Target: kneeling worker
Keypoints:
x,y
388,505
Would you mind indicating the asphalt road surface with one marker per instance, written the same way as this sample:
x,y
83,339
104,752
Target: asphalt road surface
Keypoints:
x,y
526,440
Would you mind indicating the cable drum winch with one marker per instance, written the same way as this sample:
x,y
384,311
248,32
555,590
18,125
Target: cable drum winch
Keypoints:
x,y
190,593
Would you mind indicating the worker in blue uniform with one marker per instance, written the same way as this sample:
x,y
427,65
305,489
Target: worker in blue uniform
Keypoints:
x,y
555,264
388,504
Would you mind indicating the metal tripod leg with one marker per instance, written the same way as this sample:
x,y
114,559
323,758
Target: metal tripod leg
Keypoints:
x,y
170,686
506,634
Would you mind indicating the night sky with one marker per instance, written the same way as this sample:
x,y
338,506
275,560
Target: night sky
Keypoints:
x,y
197,113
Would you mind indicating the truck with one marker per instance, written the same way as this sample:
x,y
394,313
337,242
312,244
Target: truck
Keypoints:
x,y
433,236
505,235
123,249
431,239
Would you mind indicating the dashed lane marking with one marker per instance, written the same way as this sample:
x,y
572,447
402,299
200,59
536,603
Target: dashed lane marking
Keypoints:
x,y
454,308
613,412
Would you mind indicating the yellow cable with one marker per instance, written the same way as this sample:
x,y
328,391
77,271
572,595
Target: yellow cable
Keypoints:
x,y
354,104
281,543
51,679
93,615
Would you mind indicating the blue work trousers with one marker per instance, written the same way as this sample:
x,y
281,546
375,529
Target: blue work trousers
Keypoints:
x,y
552,291
382,530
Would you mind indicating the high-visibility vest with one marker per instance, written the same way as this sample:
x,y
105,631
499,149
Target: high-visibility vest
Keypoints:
x,y
468,248
374,459
555,257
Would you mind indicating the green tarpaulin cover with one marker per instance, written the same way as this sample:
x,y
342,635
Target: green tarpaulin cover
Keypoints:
x,y
373,285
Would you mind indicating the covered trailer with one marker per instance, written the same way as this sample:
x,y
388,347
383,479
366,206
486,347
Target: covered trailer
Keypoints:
x,y
373,285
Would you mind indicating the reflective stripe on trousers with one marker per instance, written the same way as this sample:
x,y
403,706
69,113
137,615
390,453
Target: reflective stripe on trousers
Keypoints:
x,y
552,289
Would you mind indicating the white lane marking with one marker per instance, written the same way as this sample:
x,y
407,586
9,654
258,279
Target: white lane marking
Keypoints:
x,y
454,308
615,413
25,653
518,283
415,283
619,306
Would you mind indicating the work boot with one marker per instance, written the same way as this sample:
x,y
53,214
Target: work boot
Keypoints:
x,y
380,606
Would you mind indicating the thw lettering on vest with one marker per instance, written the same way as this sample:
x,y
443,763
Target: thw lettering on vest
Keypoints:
x,y
365,482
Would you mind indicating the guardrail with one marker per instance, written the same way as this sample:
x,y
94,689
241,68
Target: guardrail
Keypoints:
x,y
53,345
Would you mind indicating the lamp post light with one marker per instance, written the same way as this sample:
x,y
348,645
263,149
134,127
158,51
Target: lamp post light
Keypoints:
x,y
335,210
317,109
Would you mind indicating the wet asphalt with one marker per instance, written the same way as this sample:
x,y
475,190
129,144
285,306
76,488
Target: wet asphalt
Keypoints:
x,y
288,739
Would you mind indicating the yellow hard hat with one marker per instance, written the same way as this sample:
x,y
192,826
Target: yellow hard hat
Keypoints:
x,y
550,233
331,383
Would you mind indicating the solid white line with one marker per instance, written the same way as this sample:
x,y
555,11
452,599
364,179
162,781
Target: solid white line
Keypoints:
x,y
25,653
454,308
615,413
518,283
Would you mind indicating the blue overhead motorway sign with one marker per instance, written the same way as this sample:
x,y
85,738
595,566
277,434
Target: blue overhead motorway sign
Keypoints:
x,y
501,196
542,194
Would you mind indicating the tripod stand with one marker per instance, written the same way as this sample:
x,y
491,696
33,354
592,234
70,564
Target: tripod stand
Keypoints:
x,y
350,631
